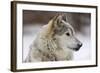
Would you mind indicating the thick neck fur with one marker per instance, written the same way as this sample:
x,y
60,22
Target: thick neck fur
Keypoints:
x,y
45,39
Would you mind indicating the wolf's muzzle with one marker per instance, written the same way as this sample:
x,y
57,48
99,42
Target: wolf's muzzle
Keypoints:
x,y
78,47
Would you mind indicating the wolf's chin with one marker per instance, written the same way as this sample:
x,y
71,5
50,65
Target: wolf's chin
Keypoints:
x,y
75,49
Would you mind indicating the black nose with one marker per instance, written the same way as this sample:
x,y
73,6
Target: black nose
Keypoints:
x,y
79,45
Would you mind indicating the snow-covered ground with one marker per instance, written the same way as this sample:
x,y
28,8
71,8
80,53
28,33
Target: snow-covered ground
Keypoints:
x,y
83,54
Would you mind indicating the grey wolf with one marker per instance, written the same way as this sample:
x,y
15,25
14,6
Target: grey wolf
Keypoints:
x,y
55,42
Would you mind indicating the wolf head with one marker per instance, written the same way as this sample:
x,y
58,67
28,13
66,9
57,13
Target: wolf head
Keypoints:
x,y
64,33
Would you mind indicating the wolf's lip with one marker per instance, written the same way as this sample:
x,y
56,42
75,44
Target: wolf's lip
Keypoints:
x,y
76,49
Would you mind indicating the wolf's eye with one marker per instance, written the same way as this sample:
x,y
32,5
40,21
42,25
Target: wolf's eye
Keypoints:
x,y
67,34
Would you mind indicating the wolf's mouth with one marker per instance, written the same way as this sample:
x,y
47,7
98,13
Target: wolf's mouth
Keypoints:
x,y
76,49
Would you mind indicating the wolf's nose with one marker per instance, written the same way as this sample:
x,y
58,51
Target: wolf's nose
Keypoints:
x,y
79,45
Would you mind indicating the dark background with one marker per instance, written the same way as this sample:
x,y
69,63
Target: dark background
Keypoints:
x,y
77,20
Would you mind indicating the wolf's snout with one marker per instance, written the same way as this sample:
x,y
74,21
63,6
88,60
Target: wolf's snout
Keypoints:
x,y
79,45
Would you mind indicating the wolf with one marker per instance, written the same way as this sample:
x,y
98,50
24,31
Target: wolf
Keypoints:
x,y
55,42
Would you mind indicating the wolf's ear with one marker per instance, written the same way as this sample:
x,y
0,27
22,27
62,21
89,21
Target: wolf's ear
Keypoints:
x,y
57,24
52,24
61,20
57,20
60,17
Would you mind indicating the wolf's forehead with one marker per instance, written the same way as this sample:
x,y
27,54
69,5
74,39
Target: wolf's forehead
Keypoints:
x,y
64,29
71,31
68,26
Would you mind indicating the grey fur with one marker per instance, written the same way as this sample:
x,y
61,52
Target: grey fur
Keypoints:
x,y
52,43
